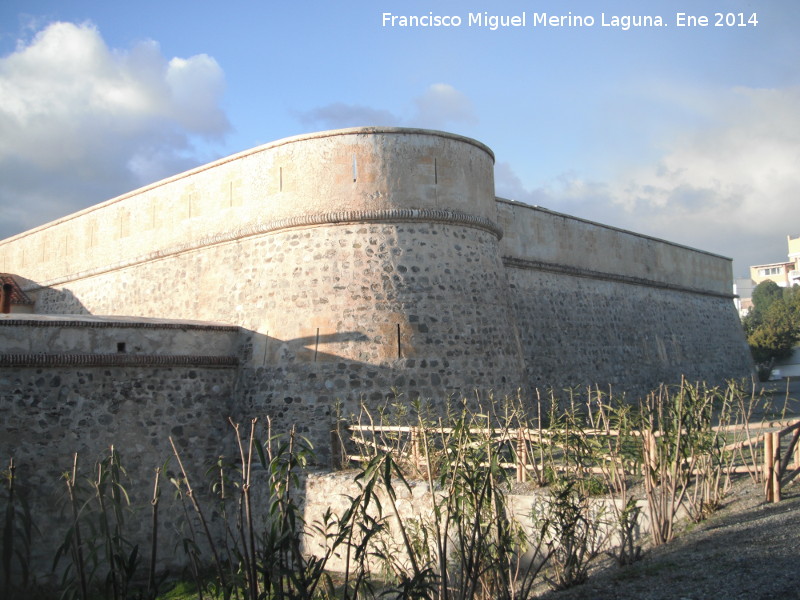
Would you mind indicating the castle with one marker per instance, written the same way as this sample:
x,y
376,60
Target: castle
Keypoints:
x,y
342,266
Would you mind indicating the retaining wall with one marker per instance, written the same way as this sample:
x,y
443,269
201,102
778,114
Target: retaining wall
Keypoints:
x,y
307,276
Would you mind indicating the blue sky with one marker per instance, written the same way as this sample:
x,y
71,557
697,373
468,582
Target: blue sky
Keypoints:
x,y
689,134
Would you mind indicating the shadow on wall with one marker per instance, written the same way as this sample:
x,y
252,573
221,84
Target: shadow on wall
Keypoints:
x,y
296,384
53,300
307,348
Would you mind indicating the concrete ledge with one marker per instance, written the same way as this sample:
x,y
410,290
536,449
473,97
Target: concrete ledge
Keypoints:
x,y
120,340
34,320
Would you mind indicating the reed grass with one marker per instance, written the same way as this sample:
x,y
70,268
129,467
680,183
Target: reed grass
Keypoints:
x,y
244,532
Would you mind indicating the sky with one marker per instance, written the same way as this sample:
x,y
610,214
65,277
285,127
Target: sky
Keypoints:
x,y
685,133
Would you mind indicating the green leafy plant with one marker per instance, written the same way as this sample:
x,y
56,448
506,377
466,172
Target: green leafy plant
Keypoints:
x,y
574,532
97,554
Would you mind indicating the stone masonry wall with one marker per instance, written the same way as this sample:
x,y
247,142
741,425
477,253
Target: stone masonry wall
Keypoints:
x,y
370,251
66,387
319,272
346,175
552,241
49,413
596,305
339,313
580,331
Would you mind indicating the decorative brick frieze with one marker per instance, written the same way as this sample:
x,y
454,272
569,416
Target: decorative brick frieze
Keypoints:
x,y
115,360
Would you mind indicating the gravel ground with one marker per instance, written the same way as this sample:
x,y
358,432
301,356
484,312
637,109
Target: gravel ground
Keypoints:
x,y
748,549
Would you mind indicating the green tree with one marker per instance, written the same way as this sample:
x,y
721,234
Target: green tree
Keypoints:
x,y
764,294
773,325
777,334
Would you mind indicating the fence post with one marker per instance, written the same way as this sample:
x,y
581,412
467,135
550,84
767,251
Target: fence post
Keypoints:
x,y
796,455
776,466
337,460
769,459
415,446
651,450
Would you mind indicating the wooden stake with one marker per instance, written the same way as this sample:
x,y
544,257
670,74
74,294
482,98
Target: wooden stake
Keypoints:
x,y
768,468
776,466
797,456
415,445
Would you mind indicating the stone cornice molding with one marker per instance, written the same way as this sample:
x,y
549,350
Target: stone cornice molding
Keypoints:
x,y
115,360
536,265
394,215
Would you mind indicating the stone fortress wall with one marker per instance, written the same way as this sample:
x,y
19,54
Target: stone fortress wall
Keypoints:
x,y
364,260
596,304
344,266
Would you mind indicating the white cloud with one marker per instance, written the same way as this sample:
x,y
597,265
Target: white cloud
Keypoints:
x,y
339,115
81,122
730,186
439,105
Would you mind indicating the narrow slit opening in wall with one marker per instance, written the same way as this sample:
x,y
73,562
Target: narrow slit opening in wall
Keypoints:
x,y
121,348
399,353
435,172
280,179
355,169
316,346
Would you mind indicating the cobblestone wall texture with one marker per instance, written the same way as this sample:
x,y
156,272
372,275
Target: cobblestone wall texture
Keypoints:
x,y
637,336
49,413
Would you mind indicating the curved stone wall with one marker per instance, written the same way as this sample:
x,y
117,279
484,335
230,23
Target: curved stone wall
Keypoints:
x,y
369,248
351,174
321,271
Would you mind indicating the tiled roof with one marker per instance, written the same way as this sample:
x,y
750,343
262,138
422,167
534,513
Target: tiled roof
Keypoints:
x,y
17,295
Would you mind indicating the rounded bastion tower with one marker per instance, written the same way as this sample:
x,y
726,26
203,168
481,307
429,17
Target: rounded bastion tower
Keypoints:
x,y
381,271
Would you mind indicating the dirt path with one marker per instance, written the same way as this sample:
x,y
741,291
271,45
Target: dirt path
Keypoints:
x,y
747,550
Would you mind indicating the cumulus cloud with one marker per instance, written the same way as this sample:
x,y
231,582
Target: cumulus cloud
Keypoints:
x,y
81,122
439,105
730,186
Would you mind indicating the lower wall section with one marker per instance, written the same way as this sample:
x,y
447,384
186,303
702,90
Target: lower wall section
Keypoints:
x,y
48,414
579,331
311,396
